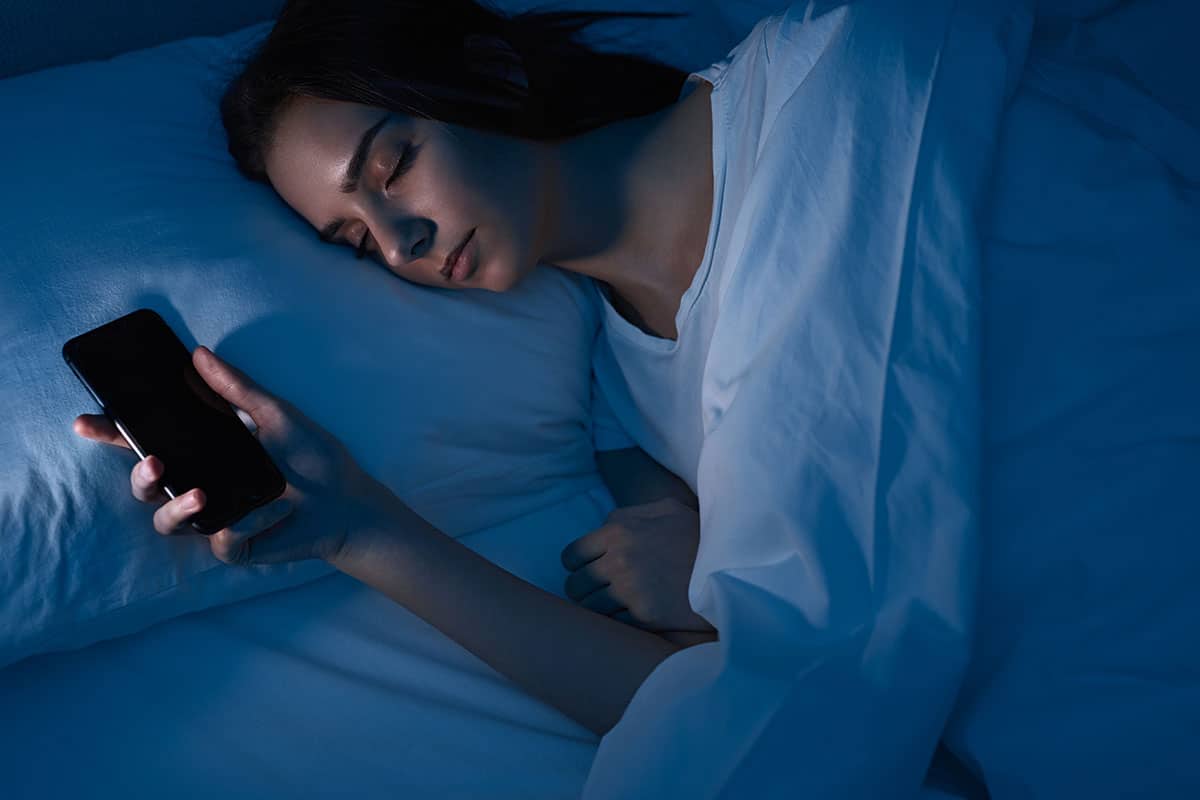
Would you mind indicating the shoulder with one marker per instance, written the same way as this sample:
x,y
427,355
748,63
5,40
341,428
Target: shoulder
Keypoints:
x,y
794,37
758,75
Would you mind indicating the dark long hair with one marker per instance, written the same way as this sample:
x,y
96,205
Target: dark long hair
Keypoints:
x,y
456,61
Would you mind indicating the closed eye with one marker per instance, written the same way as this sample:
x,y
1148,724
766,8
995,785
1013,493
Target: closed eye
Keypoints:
x,y
406,160
402,166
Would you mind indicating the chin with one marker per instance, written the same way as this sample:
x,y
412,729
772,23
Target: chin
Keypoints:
x,y
499,277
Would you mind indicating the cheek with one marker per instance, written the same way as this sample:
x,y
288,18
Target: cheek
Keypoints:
x,y
515,256
478,180
515,200
439,189
501,174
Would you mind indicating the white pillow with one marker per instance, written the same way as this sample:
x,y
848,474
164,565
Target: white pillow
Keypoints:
x,y
474,407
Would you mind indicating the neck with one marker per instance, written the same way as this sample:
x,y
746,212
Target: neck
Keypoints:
x,y
627,204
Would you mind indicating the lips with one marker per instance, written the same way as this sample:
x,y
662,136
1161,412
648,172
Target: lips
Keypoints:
x,y
448,268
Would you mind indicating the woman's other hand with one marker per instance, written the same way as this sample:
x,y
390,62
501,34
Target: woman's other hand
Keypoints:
x,y
637,566
326,489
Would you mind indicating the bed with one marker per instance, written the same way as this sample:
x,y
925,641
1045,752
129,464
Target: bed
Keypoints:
x,y
184,680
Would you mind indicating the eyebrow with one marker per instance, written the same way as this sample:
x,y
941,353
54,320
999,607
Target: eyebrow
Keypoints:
x,y
354,170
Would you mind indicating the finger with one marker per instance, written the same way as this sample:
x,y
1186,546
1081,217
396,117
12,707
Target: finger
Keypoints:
x,y
584,549
236,387
584,581
661,507
689,638
170,517
143,479
233,544
602,602
623,615
248,421
100,428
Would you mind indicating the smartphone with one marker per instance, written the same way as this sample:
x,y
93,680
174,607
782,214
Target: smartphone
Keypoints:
x,y
142,376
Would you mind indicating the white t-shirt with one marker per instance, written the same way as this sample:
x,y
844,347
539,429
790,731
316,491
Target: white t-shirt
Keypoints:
x,y
649,385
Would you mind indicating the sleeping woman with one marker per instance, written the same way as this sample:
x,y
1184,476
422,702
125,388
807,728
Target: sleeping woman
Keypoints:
x,y
463,149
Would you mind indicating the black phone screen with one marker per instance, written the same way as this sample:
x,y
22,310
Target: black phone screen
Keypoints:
x,y
142,376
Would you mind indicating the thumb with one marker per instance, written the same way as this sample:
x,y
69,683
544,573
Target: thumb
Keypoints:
x,y
278,547
235,386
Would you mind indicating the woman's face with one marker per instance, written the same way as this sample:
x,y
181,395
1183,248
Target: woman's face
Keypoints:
x,y
423,188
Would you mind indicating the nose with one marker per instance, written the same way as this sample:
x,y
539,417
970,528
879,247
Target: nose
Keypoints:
x,y
407,240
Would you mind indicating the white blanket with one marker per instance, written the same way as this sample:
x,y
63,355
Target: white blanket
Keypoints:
x,y
839,475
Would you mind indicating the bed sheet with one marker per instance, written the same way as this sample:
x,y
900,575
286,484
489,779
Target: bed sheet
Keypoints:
x,y
329,689
1085,680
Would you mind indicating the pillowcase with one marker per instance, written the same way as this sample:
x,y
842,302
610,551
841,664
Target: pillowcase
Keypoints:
x,y
35,34
473,407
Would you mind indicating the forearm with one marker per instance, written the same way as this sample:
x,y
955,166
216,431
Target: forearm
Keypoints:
x,y
634,478
585,664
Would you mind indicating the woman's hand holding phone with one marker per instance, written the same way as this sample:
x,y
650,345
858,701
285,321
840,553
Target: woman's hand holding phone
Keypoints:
x,y
325,484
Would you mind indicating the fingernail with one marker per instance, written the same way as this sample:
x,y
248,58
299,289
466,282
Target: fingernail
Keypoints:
x,y
191,503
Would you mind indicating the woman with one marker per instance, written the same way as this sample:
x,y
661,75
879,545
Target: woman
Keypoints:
x,y
543,167
461,149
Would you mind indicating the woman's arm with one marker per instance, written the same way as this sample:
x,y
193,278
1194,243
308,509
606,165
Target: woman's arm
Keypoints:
x,y
585,664
634,478
655,546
